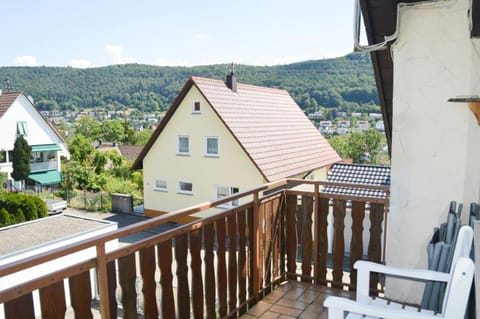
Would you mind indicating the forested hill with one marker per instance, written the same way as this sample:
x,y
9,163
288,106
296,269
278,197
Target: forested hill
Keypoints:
x,y
344,83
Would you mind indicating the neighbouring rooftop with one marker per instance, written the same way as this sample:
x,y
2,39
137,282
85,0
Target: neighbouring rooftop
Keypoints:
x,y
40,231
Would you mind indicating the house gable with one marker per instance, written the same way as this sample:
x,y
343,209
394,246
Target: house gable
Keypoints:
x,y
232,167
38,130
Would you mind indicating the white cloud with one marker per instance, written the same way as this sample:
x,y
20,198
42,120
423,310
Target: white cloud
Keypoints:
x,y
116,54
26,60
81,63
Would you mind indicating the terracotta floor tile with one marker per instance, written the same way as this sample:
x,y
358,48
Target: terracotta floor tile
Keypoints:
x,y
292,304
294,293
285,310
308,296
259,308
285,317
274,296
269,315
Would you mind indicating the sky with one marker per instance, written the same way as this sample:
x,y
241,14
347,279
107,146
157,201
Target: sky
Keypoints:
x,y
175,32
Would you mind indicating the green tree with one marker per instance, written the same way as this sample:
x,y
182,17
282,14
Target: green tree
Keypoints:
x,y
89,127
81,148
142,137
361,147
21,155
373,143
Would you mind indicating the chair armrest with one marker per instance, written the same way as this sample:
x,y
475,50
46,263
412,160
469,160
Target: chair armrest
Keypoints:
x,y
364,268
337,306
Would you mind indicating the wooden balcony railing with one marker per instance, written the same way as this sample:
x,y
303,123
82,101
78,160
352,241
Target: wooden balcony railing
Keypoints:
x,y
217,266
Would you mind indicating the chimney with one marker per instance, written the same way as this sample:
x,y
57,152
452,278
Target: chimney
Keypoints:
x,y
232,80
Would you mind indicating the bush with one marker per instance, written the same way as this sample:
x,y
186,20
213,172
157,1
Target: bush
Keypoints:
x,y
5,218
17,208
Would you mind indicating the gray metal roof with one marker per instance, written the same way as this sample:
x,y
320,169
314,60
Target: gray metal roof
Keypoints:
x,y
361,175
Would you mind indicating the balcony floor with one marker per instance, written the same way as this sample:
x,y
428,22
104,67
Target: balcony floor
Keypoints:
x,y
294,299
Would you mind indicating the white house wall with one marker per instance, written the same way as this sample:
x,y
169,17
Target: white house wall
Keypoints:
x,y
39,132
232,168
435,152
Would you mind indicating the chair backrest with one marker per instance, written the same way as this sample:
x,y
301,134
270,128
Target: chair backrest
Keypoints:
x,y
458,289
463,247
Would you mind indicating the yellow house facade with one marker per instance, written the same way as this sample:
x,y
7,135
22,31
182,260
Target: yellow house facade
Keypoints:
x,y
215,141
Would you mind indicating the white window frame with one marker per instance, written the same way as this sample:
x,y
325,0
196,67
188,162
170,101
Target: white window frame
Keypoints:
x,y
207,154
160,189
178,145
182,191
193,107
231,190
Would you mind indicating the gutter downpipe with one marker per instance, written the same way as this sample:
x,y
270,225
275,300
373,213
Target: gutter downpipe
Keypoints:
x,y
357,19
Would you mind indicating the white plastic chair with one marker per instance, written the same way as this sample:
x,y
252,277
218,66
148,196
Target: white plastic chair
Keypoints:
x,y
459,282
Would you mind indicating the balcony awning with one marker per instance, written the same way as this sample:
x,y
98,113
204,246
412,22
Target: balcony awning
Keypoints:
x,y
45,148
46,178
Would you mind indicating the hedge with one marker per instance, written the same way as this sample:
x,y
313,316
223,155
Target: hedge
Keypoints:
x,y
17,207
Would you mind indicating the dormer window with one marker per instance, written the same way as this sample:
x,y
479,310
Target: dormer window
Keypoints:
x,y
196,107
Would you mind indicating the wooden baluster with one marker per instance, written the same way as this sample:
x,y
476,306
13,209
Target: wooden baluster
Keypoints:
x,y
322,236
196,267
127,276
307,239
232,264
209,239
242,265
147,269
268,246
21,307
183,293
291,236
257,248
221,268
283,244
356,244
276,236
81,295
52,301
164,252
112,286
375,243
339,209
251,256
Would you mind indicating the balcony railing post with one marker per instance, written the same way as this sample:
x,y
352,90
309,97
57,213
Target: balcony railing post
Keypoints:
x,y
102,279
291,236
257,246
316,199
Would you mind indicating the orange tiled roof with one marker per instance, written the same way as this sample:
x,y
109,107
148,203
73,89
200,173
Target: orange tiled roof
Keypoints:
x,y
268,124
6,99
271,128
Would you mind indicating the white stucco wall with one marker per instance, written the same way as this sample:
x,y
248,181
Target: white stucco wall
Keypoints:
x,y
435,143
39,132
231,168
